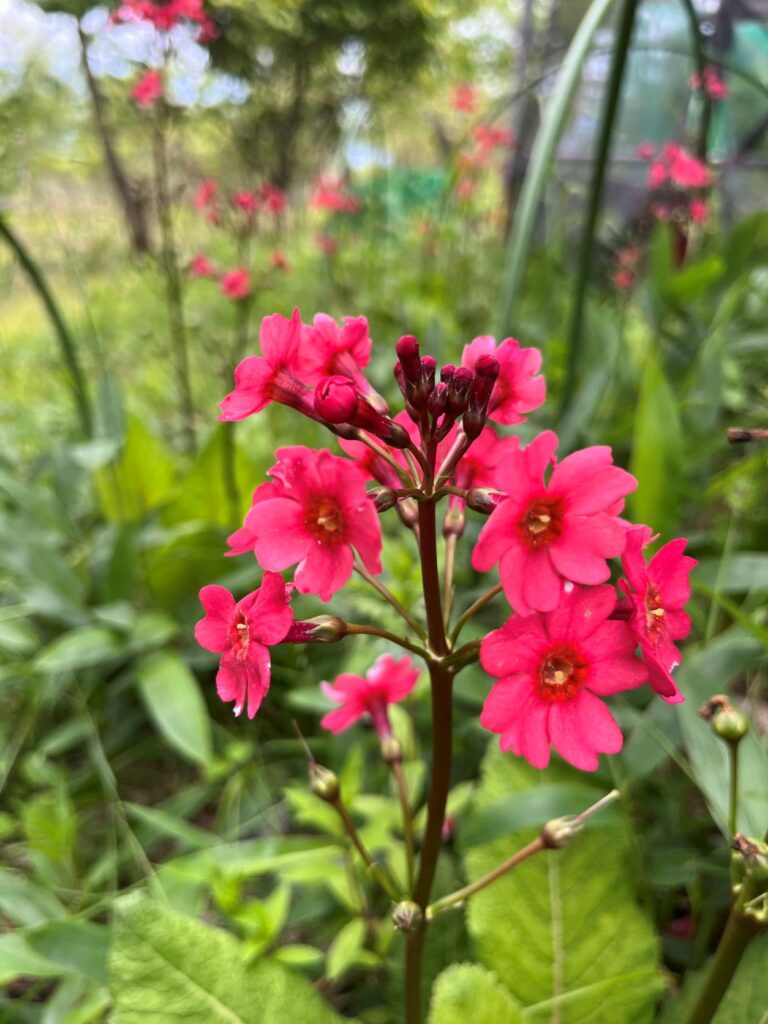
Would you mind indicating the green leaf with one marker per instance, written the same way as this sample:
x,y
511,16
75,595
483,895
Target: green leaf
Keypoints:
x,y
165,966
74,945
173,699
26,903
345,948
298,955
469,994
735,573
657,451
704,673
141,480
552,122
79,648
17,957
564,929
534,806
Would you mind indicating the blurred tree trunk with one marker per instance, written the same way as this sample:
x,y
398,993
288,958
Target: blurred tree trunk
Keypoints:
x,y
525,118
288,132
134,207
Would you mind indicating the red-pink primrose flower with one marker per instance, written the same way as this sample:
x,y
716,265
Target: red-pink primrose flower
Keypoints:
x,y
546,533
518,389
314,513
656,596
552,670
388,681
242,632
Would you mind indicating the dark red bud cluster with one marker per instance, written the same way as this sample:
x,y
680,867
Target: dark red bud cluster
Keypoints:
x,y
459,393
337,401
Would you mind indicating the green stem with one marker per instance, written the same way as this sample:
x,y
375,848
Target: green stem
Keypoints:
x,y
355,628
388,596
701,63
740,929
375,870
733,804
398,774
602,156
173,290
66,341
473,609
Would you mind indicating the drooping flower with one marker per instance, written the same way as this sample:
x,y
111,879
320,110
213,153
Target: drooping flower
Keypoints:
x,y
464,98
148,90
552,670
518,389
201,266
657,594
543,534
388,681
236,284
315,513
242,632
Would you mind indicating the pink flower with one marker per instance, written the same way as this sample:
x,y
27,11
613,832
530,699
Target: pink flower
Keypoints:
x,y
657,594
330,194
464,98
699,210
272,376
236,284
488,137
273,199
242,632
543,534
679,167
206,193
645,150
552,670
148,90
329,349
246,201
658,173
201,266
388,681
371,465
517,390
314,514
623,278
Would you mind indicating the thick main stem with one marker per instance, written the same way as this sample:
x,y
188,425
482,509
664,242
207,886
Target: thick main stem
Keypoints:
x,y
441,682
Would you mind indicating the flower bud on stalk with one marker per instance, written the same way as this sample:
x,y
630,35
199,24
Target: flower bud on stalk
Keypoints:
x,y
458,391
337,401
483,499
407,916
408,359
384,498
323,782
437,402
754,854
486,373
455,520
323,629
724,719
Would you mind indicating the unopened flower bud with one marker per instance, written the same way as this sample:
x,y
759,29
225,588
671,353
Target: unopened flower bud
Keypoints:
x,y
408,355
323,629
559,832
458,391
408,510
483,499
391,750
455,519
447,372
323,782
384,498
428,369
437,401
486,374
724,719
407,916
336,399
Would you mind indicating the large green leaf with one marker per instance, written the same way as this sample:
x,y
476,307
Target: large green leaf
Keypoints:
x,y
165,966
657,451
174,701
79,648
564,931
140,480
469,994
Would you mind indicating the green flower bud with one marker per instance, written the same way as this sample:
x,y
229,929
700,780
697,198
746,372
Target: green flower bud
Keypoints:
x,y
407,916
323,782
725,720
559,832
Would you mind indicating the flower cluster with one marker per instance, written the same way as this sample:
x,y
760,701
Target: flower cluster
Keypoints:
x,y
242,215
711,82
553,527
678,182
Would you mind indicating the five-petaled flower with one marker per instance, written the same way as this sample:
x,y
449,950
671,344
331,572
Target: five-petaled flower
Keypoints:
x,y
552,670
543,534
316,513
518,389
656,595
386,682
242,632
